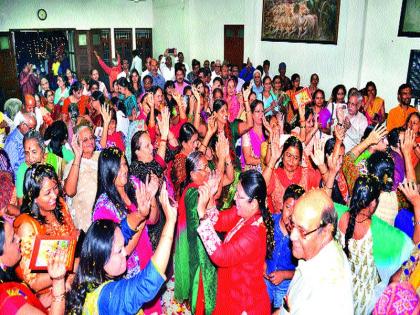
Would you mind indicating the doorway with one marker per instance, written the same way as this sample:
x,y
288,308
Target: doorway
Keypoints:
x,y
234,44
9,86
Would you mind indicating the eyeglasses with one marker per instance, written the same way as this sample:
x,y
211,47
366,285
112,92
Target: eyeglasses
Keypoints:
x,y
29,127
303,234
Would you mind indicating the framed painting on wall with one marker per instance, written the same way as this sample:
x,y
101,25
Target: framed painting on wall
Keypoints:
x,y
311,21
409,19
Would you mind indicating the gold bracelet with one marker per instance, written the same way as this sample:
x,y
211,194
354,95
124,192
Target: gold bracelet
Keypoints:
x,y
58,298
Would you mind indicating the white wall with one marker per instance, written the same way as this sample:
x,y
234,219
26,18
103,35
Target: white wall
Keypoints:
x,y
79,14
385,55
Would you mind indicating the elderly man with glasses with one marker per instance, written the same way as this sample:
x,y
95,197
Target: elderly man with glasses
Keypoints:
x,y
14,141
322,281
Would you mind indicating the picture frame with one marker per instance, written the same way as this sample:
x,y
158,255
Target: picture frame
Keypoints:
x,y
302,98
44,245
409,19
296,21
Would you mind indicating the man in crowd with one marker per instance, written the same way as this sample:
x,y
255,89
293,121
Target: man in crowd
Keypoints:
x,y
322,282
266,69
247,72
136,63
125,73
235,72
398,115
14,141
166,67
194,73
158,79
354,121
28,80
217,70
286,84
113,71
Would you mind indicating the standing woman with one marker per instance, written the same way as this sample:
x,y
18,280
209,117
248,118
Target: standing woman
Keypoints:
x,y
267,97
44,212
135,83
373,106
241,256
130,101
313,84
94,75
62,91
195,275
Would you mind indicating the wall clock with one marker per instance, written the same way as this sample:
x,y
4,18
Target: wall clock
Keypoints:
x,y
42,14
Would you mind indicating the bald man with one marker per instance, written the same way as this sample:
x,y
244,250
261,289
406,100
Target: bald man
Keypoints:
x,y
29,107
14,141
322,282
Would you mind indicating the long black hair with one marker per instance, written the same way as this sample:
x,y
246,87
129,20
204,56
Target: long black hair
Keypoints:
x,y
32,186
366,189
381,165
186,132
190,166
254,186
8,274
108,166
57,134
90,274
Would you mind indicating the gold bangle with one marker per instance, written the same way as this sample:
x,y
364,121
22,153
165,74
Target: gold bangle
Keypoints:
x,y
58,298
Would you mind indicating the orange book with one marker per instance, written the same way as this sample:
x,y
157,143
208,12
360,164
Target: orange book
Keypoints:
x,y
47,245
302,98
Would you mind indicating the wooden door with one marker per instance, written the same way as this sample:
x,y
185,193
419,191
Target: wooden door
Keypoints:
x,y
124,43
101,42
144,43
83,53
234,44
9,85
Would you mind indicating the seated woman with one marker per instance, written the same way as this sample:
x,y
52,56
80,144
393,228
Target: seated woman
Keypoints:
x,y
413,123
50,112
231,98
252,140
15,296
373,106
110,136
98,287
94,75
130,101
116,198
375,249
337,99
281,266
62,91
135,82
44,212
289,171
292,111
35,152
240,257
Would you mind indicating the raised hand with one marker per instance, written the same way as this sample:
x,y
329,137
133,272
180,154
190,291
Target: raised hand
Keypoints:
x,y
170,211
280,120
76,146
377,134
411,191
340,132
334,165
153,185
222,147
163,123
57,264
318,156
106,114
212,124
408,142
150,101
196,93
214,181
247,92
143,199
266,125
275,146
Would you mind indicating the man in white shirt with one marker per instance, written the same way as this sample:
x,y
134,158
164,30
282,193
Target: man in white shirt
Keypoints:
x,y
354,121
166,68
136,63
148,68
322,282
266,69
179,57
217,70
125,73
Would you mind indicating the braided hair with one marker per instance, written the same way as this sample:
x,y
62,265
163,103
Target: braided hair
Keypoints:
x,y
254,186
366,189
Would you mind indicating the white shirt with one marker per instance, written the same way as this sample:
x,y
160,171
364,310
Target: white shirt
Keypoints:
x,y
321,285
137,64
239,86
187,69
38,116
355,132
168,74
213,76
123,74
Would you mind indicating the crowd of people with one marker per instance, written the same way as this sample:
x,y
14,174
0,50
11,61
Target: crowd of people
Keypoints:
x,y
208,191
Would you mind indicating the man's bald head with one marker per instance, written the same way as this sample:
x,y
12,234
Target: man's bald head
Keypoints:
x,y
27,123
315,222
